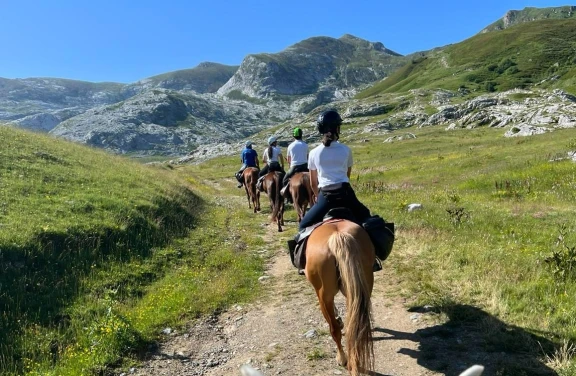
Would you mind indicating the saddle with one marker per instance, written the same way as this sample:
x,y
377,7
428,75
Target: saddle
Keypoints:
x,y
381,233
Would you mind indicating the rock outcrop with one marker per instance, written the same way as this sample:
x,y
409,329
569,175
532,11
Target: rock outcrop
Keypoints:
x,y
165,122
318,67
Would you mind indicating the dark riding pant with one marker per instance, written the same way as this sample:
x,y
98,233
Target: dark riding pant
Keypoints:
x,y
293,170
343,197
270,167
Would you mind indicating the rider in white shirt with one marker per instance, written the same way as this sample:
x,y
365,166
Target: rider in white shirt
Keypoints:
x,y
330,166
273,160
297,156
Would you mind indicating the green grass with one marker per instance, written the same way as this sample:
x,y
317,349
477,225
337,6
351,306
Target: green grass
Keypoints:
x,y
513,205
99,253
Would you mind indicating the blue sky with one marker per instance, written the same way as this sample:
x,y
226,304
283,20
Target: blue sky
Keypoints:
x,y
125,40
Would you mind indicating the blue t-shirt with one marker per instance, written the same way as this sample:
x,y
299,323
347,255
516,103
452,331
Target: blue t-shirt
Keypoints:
x,y
249,157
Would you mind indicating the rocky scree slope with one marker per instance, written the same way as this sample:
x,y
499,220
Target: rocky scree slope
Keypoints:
x,y
166,122
517,112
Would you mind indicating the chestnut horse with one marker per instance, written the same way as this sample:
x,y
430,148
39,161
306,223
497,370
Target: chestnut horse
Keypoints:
x,y
339,257
301,192
250,176
272,185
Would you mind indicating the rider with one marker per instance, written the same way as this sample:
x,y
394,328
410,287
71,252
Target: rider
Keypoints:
x,y
297,157
330,166
273,159
249,158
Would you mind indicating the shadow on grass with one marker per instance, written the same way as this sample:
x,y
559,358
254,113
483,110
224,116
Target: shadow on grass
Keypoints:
x,y
472,336
39,280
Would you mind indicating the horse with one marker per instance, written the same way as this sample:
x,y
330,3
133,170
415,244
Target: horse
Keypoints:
x,y
301,192
272,185
339,257
250,176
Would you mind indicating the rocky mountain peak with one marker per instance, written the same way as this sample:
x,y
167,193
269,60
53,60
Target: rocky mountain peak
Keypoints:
x,y
528,14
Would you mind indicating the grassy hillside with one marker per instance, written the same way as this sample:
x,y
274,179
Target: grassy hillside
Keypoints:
x,y
520,56
98,254
496,233
497,230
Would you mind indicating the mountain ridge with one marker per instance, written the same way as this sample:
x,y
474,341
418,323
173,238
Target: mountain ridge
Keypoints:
x,y
270,88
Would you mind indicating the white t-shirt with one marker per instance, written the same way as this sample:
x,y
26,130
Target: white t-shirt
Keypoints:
x,y
275,153
331,163
297,152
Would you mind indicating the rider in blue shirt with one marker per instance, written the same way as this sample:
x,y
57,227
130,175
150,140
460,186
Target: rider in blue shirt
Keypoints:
x,y
249,158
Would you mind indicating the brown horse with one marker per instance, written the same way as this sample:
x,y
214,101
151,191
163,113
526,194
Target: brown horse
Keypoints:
x,y
250,176
271,185
301,192
339,257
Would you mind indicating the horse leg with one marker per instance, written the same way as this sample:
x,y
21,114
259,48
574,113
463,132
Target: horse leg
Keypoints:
x,y
247,194
258,199
329,311
339,319
322,273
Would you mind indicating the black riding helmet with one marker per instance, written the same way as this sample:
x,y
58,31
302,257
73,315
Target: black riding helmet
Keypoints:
x,y
328,121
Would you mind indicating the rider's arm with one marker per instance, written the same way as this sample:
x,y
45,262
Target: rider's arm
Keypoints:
x,y
281,160
288,159
314,181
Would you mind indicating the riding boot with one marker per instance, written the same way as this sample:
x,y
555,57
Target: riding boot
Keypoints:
x,y
259,183
239,178
292,246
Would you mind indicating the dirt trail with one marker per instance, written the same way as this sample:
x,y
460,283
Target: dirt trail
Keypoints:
x,y
284,333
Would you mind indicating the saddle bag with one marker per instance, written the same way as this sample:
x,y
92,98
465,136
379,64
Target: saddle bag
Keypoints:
x,y
382,235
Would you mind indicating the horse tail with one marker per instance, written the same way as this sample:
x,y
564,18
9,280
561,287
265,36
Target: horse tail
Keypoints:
x,y
359,326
